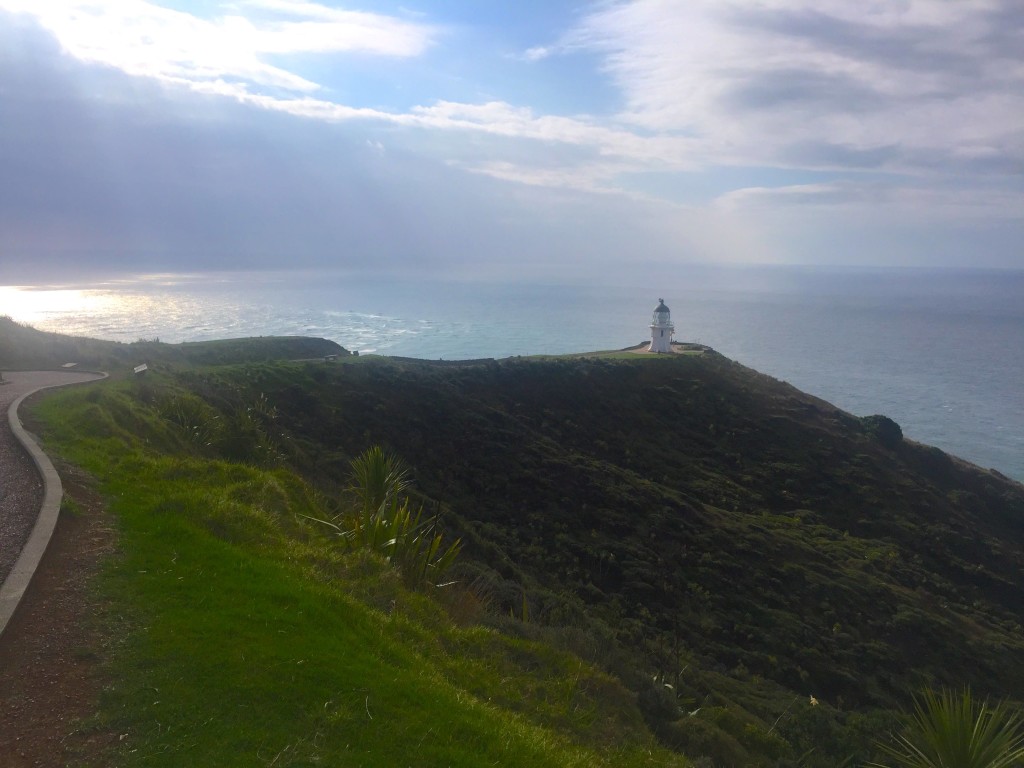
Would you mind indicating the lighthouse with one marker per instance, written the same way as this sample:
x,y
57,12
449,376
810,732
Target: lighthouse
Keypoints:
x,y
661,329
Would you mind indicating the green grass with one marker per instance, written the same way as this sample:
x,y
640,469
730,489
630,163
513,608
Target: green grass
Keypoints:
x,y
615,354
240,635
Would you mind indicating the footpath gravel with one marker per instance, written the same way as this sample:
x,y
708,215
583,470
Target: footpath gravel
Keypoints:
x,y
21,487
49,669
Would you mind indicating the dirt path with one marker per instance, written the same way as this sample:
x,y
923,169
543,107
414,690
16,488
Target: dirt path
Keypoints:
x,y
49,684
49,654
21,487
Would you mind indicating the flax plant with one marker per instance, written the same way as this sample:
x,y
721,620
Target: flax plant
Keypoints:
x,y
378,476
953,730
408,541
382,520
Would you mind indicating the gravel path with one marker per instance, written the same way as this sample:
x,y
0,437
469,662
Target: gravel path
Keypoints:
x,y
21,488
49,670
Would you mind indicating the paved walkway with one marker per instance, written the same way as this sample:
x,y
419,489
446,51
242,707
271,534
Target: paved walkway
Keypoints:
x,y
21,480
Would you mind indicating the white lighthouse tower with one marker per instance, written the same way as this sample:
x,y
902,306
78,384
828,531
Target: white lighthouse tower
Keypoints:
x,y
661,329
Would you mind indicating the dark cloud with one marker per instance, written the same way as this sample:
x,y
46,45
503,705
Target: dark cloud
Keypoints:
x,y
801,90
937,97
1002,161
1004,35
822,154
903,47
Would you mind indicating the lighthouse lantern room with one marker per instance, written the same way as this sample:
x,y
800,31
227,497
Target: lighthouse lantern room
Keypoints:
x,y
661,329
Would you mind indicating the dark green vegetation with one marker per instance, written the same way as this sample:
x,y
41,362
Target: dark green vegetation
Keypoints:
x,y
708,546
692,522
955,730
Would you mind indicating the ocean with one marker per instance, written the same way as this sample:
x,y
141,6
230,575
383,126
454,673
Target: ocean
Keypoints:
x,y
941,352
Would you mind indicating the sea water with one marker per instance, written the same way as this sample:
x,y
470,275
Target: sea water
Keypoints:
x,y
941,352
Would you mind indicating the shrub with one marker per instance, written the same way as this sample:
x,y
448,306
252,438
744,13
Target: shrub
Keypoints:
x,y
883,429
383,521
953,730
193,415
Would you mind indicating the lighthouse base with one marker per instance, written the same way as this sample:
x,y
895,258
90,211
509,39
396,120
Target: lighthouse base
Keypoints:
x,y
661,340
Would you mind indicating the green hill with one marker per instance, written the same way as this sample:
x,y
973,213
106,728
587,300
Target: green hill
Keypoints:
x,y
23,347
745,540
762,576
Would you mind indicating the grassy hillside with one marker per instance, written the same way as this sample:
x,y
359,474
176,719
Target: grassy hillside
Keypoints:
x,y
23,348
241,634
675,546
691,521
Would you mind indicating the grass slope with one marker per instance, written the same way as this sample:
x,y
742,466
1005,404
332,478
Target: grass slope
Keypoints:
x,y
241,635
712,527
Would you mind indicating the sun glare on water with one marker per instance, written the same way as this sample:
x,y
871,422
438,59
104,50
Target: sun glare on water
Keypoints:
x,y
140,307
44,306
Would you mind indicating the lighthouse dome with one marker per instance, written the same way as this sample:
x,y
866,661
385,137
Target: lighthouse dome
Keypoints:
x,y
661,314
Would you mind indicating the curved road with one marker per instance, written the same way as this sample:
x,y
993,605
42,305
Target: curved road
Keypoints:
x,y
21,485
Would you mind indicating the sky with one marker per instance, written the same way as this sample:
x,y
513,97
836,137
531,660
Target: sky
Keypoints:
x,y
526,139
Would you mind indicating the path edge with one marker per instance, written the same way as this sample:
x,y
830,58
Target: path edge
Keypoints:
x,y
17,581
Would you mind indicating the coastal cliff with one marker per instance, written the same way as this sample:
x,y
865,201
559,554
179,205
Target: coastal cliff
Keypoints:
x,y
724,546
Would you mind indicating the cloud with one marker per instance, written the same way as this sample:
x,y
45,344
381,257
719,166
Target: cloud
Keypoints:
x,y
786,83
495,118
753,81
797,194
144,136
141,184
146,39
536,53
592,178
228,56
891,199
315,28
504,119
